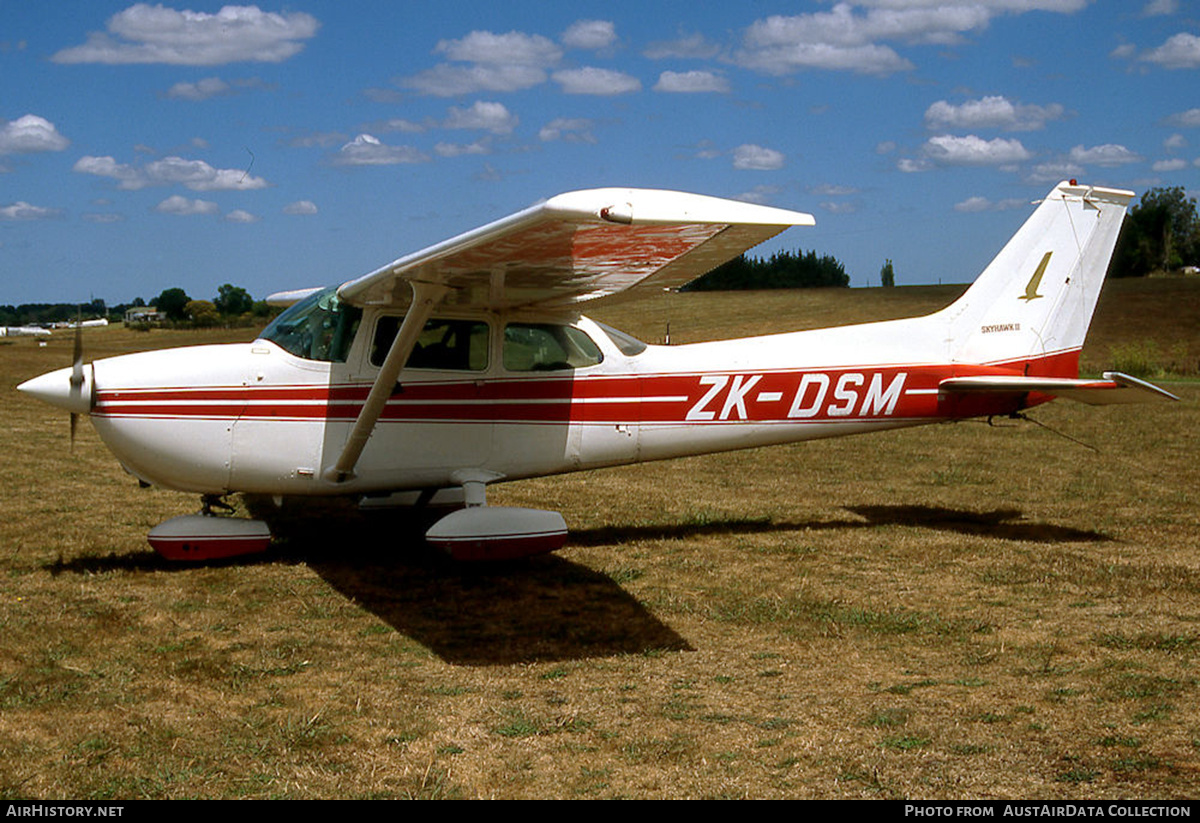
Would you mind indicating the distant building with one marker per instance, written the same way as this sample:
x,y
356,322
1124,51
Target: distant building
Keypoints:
x,y
143,314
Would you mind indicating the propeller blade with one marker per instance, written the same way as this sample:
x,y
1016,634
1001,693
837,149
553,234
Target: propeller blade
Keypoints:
x,y
77,360
77,370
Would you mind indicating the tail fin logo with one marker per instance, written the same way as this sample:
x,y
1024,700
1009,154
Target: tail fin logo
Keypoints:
x,y
1032,286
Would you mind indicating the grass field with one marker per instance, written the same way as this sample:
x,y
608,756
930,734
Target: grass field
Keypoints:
x,y
959,611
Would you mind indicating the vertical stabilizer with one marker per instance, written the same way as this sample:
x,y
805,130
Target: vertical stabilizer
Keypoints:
x,y
1032,305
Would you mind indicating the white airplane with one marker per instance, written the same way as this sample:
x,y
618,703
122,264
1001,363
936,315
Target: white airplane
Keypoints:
x,y
23,331
469,363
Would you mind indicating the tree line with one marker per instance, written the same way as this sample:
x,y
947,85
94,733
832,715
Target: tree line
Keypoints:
x,y
782,270
232,305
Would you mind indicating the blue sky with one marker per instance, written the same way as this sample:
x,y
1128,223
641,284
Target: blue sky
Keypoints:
x,y
285,146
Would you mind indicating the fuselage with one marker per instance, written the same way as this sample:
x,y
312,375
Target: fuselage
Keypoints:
x,y
505,397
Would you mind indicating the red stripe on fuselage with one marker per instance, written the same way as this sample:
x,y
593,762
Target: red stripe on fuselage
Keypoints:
x,y
694,398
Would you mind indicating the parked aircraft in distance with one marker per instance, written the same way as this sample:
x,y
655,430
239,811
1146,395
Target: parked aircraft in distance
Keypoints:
x,y
23,331
469,363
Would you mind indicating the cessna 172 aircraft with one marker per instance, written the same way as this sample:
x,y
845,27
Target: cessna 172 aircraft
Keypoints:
x,y
469,363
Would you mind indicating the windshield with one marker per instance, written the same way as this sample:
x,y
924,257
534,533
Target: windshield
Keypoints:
x,y
319,327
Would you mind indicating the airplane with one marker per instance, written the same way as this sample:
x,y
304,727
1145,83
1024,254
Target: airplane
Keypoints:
x,y
469,363
23,331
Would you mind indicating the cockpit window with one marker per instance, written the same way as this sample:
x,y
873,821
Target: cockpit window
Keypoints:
x,y
450,345
627,344
319,327
548,347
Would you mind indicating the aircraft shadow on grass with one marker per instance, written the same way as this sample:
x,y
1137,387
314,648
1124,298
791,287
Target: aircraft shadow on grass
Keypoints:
x,y
545,608
1004,524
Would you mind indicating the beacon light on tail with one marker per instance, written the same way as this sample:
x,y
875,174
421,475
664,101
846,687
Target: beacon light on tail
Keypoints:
x,y
471,363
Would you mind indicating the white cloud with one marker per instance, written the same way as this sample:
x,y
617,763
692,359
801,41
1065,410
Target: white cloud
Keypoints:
x,y
1156,8
241,216
1175,142
869,59
184,207
691,46
193,174
103,217
949,150
443,149
30,134
1186,119
200,90
590,34
759,194
995,112
832,190
590,80
200,176
568,129
1181,51
129,177
691,81
838,207
512,49
154,34
1123,51
301,207
842,39
1170,165
445,80
977,204
757,158
493,117
1108,155
402,125
494,63
1054,172
24,211
367,150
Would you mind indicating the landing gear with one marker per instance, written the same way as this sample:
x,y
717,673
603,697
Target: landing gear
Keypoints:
x,y
209,536
483,532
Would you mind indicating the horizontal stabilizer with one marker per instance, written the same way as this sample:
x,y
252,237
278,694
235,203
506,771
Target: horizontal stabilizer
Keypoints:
x,y
1115,387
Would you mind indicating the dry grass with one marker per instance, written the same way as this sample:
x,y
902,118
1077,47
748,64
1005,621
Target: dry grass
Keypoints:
x,y
951,612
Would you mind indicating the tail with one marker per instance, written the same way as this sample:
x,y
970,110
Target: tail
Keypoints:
x,y
1031,308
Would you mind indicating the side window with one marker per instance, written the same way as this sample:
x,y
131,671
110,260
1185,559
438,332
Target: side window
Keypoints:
x,y
547,347
450,345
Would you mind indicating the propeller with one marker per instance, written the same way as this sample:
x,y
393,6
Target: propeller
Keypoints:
x,y
77,372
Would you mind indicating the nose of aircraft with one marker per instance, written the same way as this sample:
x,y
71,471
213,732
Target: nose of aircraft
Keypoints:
x,y
63,389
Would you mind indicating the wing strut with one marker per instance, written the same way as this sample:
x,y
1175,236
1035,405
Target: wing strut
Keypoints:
x,y
426,296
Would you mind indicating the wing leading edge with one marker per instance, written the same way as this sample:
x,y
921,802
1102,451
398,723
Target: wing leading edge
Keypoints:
x,y
580,246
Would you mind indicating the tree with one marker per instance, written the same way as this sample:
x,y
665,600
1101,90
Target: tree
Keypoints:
x,y
1160,233
202,313
887,275
233,300
173,303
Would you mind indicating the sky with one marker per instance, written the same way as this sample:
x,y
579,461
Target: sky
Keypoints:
x,y
274,147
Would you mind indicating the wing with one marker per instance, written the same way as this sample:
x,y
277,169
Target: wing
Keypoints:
x,y
1116,387
580,246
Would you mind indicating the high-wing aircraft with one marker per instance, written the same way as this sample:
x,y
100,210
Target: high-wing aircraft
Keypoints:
x,y
470,363
23,331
